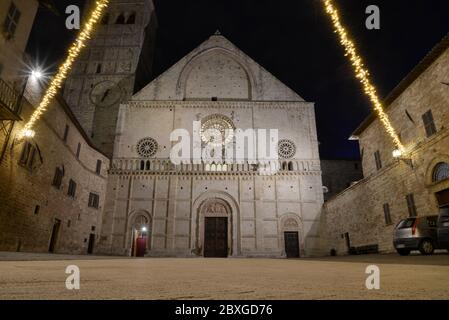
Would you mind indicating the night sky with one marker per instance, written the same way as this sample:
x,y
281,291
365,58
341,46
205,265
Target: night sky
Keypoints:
x,y
293,40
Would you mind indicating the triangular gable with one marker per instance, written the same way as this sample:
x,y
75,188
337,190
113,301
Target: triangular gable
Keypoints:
x,y
216,68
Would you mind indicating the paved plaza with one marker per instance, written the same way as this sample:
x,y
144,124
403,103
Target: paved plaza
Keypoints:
x,y
42,276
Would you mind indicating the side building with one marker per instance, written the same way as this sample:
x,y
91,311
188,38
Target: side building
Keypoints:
x,y
414,184
52,186
339,174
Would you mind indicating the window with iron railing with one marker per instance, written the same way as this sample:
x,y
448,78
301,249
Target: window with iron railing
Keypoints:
x,y
8,96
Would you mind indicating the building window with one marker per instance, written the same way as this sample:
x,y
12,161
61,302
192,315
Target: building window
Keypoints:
x,y
98,168
72,188
37,208
66,133
94,200
98,68
11,21
57,179
387,214
378,160
69,223
441,172
411,205
429,124
27,156
78,150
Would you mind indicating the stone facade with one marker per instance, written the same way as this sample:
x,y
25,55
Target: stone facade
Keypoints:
x,y
30,204
36,216
105,73
171,202
339,174
359,210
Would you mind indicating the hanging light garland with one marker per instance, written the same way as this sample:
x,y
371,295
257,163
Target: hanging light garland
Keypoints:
x,y
361,72
73,53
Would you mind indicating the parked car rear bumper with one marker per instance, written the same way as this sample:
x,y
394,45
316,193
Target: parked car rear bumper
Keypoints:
x,y
408,243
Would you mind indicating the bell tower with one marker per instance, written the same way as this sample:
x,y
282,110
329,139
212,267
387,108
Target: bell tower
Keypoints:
x,y
117,58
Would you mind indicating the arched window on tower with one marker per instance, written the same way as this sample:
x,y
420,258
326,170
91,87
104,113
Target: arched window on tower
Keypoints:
x,y
142,165
131,19
120,19
290,166
147,167
105,19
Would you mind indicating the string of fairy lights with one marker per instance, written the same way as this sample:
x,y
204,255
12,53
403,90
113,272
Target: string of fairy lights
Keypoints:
x,y
361,72
74,51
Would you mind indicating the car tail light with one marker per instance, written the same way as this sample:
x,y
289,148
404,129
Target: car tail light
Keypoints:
x,y
414,226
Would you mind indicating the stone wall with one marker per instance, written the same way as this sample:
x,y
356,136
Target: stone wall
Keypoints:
x,y
29,204
359,209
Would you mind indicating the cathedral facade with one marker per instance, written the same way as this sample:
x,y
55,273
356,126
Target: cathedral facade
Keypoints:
x,y
155,207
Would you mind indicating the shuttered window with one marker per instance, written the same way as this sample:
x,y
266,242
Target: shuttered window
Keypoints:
x,y
429,124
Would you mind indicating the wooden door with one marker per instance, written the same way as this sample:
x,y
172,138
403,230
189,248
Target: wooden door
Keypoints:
x,y
291,244
54,235
90,248
216,237
141,246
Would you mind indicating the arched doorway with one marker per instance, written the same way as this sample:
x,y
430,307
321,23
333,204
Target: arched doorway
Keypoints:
x,y
440,176
140,234
215,228
290,232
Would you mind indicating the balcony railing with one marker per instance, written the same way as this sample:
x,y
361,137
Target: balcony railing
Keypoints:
x,y
8,102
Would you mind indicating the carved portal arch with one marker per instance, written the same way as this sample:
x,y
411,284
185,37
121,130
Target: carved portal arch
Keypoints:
x,y
291,222
215,204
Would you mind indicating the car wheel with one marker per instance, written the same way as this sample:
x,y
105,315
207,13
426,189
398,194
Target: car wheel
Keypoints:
x,y
426,247
403,252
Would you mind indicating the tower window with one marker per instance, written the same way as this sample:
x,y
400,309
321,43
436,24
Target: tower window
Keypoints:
x,y
98,68
98,168
120,19
131,18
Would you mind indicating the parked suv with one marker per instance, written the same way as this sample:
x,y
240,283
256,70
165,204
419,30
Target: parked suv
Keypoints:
x,y
417,233
443,228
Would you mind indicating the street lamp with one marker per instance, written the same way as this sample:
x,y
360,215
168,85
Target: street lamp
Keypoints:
x,y
397,154
36,74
